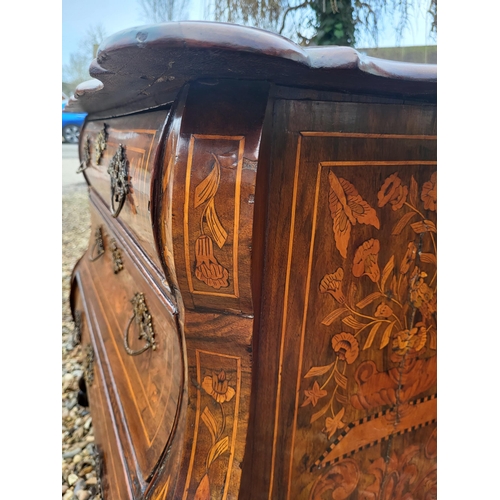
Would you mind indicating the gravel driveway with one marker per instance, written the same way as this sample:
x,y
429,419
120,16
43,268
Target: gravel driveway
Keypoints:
x,y
78,475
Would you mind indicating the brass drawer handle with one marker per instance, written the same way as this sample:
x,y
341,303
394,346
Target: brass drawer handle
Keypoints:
x,y
144,322
86,156
120,186
99,245
88,365
98,457
77,332
117,257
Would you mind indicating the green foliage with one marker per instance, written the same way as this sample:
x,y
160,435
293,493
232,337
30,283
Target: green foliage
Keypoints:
x,y
335,23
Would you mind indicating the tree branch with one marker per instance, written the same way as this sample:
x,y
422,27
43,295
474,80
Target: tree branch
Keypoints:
x,y
290,9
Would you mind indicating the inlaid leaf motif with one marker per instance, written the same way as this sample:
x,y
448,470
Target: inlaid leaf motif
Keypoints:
x,y
371,335
352,322
333,316
207,188
209,421
217,450
424,226
203,490
401,224
403,287
316,371
387,271
353,288
319,413
219,234
429,258
394,287
346,208
386,336
413,191
433,338
368,300
340,379
341,398
332,424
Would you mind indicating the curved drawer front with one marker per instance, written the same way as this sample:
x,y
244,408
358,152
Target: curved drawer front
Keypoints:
x,y
129,168
110,463
144,382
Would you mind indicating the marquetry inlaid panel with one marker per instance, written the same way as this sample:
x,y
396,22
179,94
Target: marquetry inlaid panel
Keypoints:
x,y
356,359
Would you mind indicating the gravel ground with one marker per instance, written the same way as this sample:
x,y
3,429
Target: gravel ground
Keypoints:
x,y
78,475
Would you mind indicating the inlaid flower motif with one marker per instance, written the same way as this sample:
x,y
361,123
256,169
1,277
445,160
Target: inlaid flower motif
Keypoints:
x,y
428,308
366,260
218,387
332,424
429,193
346,347
332,284
420,292
393,192
312,395
347,208
383,311
409,340
409,257
208,268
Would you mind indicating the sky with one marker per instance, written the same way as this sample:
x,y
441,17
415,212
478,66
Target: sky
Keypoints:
x,y
117,15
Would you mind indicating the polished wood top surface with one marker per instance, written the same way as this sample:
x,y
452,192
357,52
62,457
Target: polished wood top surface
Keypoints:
x,y
144,67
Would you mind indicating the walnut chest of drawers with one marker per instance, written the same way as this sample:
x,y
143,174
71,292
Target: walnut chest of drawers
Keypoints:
x,y
258,300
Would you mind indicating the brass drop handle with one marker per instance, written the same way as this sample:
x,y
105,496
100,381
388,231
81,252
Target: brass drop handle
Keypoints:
x,y
144,321
88,365
98,457
85,163
117,256
99,245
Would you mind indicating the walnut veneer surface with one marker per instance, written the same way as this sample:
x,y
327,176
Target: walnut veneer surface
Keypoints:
x,y
276,208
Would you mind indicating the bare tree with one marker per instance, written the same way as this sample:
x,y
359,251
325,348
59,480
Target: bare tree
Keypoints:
x,y
323,21
159,11
94,35
77,70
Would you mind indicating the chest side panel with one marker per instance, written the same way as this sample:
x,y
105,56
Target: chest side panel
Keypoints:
x,y
348,332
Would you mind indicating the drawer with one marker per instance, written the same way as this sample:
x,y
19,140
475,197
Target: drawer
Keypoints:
x,y
112,472
132,145
145,383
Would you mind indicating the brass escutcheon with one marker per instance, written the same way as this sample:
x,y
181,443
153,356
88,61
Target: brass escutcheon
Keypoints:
x,y
100,144
144,321
120,187
99,245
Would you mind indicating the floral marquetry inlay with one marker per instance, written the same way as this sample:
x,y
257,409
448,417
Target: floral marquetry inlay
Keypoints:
x,y
211,214
368,375
217,407
396,313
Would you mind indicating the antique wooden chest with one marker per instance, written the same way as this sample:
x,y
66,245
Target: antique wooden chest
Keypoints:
x,y
258,299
